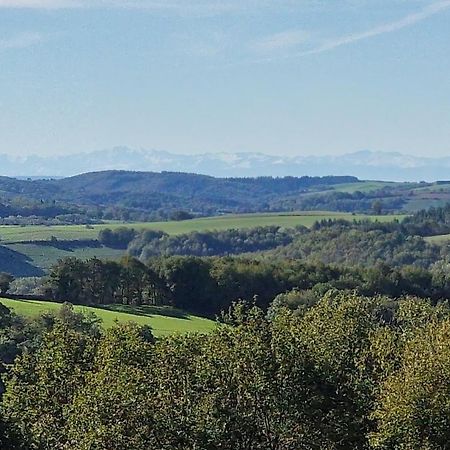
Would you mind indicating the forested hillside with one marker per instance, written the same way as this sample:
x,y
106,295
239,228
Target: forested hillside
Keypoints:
x,y
329,241
151,196
144,196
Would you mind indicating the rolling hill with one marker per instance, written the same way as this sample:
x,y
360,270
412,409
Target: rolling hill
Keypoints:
x,y
162,320
153,196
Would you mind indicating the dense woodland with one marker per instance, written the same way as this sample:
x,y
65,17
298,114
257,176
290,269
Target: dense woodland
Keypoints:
x,y
207,286
348,372
384,200
209,243
342,242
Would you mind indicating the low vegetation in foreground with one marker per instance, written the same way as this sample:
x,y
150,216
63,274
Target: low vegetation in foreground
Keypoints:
x,y
347,373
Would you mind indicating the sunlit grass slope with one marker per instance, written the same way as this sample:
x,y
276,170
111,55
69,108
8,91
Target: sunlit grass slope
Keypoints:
x,y
162,320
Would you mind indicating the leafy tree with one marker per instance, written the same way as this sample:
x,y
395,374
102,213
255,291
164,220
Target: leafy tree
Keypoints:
x,y
40,394
5,282
337,332
413,410
118,238
377,207
346,372
114,408
181,215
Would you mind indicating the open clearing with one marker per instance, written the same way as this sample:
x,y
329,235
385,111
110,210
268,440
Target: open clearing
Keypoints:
x,y
363,186
438,240
44,256
163,320
10,234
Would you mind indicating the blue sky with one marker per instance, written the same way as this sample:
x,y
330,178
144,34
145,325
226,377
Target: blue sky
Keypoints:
x,y
276,76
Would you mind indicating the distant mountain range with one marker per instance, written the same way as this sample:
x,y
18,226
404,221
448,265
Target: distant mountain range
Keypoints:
x,y
363,164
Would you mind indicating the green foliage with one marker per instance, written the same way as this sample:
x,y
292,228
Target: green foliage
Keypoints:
x,y
355,246
320,360
140,196
39,395
29,251
19,334
38,233
429,222
212,243
118,238
207,286
120,416
181,215
165,193
144,196
295,300
97,282
349,372
413,410
5,282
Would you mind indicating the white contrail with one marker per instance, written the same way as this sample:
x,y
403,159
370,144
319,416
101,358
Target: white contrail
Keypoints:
x,y
390,27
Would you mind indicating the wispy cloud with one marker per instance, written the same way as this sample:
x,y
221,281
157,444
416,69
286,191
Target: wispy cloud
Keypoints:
x,y
279,41
22,40
41,4
407,21
171,6
141,4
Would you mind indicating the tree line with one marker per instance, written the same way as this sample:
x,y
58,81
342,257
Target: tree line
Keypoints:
x,y
207,286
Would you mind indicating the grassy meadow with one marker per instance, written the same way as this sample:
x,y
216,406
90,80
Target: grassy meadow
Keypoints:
x,y
162,320
363,186
44,256
10,234
439,240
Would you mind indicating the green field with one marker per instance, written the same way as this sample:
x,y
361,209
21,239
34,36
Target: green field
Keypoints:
x,y
44,256
438,240
14,234
434,187
162,320
363,186
28,251
417,204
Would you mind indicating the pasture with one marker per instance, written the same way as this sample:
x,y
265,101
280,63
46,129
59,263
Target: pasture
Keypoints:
x,y
364,186
439,240
10,234
163,320
44,256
